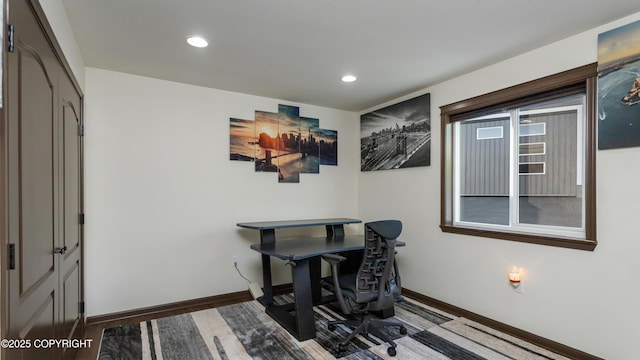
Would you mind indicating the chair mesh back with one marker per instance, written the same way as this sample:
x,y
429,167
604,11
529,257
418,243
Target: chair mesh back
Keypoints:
x,y
376,266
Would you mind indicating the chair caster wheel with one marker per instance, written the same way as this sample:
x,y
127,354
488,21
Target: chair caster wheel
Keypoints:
x,y
331,327
403,330
342,347
391,351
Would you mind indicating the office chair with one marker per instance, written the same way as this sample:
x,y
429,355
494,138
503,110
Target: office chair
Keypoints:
x,y
370,288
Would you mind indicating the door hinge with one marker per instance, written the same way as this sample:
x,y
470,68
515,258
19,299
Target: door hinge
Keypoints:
x,y
80,129
81,219
81,307
12,256
10,38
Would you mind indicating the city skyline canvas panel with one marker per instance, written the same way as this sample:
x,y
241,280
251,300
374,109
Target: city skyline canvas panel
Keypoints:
x,y
397,136
310,129
328,140
619,87
288,144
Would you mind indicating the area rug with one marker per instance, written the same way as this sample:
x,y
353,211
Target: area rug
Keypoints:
x,y
244,331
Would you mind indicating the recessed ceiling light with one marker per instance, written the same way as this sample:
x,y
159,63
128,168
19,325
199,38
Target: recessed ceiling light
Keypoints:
x,y
197,41
349,78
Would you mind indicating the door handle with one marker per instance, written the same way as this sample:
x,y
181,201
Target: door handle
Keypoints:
x,y
61,250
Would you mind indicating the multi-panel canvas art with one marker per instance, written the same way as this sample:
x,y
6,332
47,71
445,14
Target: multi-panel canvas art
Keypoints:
x,y
284,143
619,87
397,136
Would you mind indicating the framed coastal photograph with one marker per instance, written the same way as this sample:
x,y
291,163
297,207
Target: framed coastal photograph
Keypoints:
x,y
619,87
397,136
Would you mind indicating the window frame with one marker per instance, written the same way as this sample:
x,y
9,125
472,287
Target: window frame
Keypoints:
x,y
581,79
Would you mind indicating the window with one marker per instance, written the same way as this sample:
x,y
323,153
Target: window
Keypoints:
x,y
532,177
533,129
532,148
486,133
531,169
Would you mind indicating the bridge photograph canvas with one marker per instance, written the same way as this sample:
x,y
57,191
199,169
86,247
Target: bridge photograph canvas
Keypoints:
x,y
397,136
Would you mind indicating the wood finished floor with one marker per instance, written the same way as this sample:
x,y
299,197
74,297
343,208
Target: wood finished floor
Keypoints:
x,y
94,331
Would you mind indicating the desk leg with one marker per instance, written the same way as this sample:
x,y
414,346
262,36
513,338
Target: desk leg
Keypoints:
x,y
267,236
315,273
267,298
305,324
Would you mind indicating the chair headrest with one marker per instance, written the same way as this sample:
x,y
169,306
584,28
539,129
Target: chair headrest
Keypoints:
x,y
388,229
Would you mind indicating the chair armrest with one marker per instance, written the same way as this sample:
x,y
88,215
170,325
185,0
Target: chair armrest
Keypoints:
x,y
333,259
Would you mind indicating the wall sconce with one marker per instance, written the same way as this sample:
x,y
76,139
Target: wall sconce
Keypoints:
x,y
515,278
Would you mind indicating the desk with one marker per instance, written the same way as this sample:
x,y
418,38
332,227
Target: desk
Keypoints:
x,y
301,253
334,227
306,273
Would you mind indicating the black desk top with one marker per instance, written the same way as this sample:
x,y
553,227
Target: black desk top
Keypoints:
x,y
308,247
263,225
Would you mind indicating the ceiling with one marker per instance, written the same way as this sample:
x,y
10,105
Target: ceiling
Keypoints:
x,y
297,50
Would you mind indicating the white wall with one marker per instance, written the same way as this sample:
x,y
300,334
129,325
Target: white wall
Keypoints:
x,y
163,198
586,300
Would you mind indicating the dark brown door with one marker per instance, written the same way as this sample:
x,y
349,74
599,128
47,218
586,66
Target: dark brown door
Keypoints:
x,y
44,193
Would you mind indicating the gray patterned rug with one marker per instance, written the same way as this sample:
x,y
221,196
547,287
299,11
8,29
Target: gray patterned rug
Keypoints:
x,y
244,331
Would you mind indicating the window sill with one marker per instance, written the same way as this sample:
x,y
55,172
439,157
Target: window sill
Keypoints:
x,y
588,245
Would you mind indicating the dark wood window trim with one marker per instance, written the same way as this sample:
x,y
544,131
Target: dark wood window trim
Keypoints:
x,y
552,86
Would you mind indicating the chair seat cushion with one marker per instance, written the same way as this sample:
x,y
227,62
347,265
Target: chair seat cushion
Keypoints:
x,y
348,284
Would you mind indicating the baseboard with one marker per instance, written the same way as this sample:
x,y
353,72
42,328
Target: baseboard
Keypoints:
x,y
173,308
507,329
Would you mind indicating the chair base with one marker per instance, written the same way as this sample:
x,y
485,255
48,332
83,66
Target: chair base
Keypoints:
x,y
368,325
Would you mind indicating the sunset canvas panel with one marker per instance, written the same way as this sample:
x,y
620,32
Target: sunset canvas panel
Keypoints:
x,y
241,140
266,133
